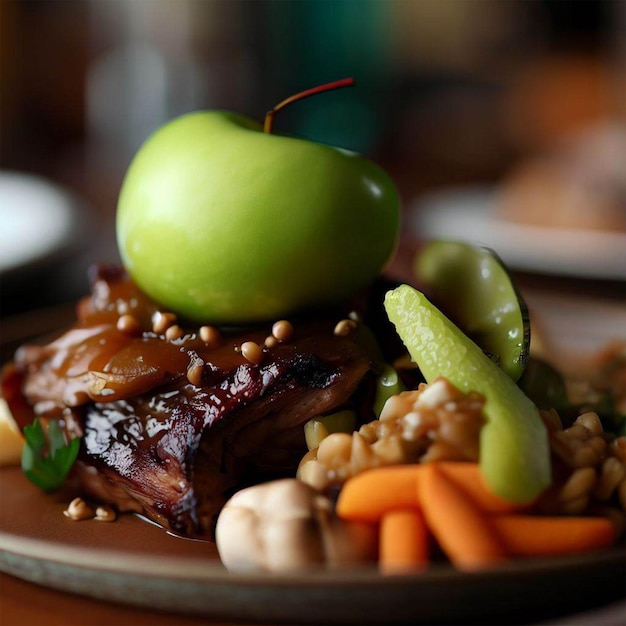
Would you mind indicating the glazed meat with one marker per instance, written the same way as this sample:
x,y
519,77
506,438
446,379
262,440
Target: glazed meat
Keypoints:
x,y
171,422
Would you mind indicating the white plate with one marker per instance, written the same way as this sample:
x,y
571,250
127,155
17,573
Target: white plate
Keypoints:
x,y
469,214
38,220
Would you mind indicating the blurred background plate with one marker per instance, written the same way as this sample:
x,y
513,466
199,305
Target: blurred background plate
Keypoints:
x,y
40,220
470,214
46,233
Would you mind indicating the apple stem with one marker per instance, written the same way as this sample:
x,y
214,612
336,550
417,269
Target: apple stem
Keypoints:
x,y
338,84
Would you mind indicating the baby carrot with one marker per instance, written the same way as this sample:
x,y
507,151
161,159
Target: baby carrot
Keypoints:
x,y
527,535
469,479
403,541
463,532
367,496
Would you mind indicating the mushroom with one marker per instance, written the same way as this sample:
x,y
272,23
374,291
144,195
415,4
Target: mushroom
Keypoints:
x,y
287,525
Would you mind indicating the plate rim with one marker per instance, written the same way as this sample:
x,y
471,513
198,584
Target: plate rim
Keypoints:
x,y
80,225
379,599
428,212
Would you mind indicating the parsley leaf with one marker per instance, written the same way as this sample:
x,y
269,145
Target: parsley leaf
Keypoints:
x,y
47,461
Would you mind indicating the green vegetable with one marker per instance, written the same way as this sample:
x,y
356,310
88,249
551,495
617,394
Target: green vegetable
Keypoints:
x,y
472,286
320,427
514,448
544,385
47,460
388,384
548,389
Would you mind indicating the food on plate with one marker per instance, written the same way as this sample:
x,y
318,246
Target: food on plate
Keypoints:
x,y
318,428
415,474
242,380
416,426
79,509
474,527
369,496
286,525
169,422
578,185
11,438
47,457
514,453
599,379
473,287
442,499
403,542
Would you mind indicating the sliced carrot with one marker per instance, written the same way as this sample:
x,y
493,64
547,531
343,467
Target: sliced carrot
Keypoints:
x,y
528,535
403,541
367,496
469,479
461,529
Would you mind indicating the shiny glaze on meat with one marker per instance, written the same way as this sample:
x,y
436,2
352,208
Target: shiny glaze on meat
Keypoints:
x,y
153,441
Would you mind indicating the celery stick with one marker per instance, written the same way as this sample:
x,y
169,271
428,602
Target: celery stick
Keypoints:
x,y
514,447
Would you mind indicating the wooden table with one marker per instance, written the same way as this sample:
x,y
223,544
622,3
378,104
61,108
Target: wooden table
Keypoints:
x,y
26,604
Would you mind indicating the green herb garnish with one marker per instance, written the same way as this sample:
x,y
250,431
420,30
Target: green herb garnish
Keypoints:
x,y
46,461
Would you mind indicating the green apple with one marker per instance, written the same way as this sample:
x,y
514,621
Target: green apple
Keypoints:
x,y
224,223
